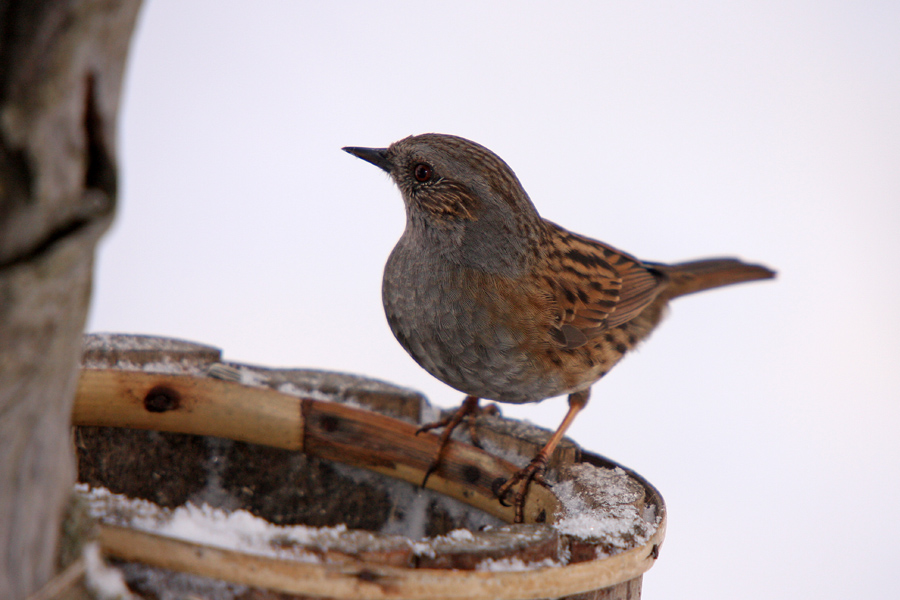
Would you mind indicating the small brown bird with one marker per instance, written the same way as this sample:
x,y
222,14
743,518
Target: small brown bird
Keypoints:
x,y
501,304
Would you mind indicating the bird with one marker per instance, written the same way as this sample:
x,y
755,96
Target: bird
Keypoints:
x,y
501,304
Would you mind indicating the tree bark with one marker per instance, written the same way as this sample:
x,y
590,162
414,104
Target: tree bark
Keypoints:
x,y
61,65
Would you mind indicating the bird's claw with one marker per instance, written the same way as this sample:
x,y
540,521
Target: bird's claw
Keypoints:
x,y
522,480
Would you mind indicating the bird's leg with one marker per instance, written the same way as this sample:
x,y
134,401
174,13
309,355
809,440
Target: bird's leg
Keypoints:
x,y
488,409
468,407
535,469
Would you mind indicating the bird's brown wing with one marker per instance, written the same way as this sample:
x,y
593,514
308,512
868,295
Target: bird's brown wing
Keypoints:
x,y
595,287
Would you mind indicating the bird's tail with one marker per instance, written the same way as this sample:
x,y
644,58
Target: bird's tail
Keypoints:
x,y
699,275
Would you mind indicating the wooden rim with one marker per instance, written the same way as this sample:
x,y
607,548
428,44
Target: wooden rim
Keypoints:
x,y
375,581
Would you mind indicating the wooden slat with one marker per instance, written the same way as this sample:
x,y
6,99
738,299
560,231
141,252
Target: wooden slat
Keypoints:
x,y
186,404
391,447
365,580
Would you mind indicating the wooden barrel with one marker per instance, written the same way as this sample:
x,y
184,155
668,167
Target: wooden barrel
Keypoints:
x,y
249,482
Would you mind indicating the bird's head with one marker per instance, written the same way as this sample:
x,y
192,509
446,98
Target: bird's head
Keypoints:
x,y
463,199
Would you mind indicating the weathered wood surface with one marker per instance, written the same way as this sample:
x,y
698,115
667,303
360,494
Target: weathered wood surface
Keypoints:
x,y
61,65
329,430
330,417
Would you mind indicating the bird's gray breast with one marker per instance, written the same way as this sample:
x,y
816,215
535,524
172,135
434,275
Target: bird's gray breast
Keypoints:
x,y
435,312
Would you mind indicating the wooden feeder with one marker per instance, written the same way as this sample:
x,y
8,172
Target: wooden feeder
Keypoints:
x,y
331,464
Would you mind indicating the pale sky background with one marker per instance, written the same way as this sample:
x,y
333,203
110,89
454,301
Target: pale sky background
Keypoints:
x,y
766,414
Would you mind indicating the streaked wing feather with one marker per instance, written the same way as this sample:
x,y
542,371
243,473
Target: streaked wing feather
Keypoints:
x,y
596,287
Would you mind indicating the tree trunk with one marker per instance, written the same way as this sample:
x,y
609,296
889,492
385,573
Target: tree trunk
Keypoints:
x,y
61,65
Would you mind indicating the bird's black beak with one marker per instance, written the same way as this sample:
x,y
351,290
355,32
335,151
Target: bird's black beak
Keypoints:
x,y
376,156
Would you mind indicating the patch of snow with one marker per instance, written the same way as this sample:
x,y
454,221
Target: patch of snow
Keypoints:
x,y
460,535
504,565
252,378
604,506
106,582
292,389
238,530
167,366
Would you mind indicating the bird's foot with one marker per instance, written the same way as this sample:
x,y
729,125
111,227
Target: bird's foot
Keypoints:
x,y
520,482
465,415
468,412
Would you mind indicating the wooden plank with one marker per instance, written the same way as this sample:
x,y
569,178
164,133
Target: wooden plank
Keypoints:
x,y
391,447
186,404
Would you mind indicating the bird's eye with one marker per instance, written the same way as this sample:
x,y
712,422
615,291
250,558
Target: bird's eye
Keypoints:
x,y
423,173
